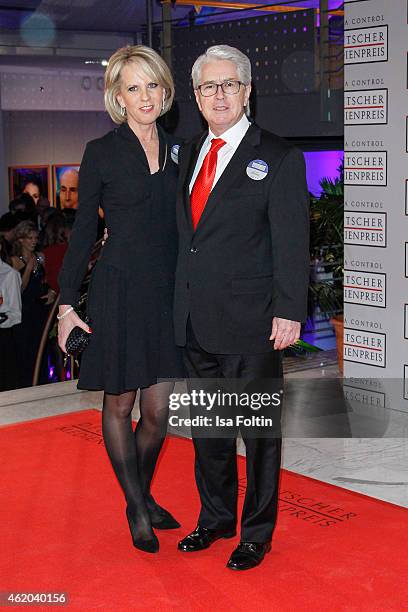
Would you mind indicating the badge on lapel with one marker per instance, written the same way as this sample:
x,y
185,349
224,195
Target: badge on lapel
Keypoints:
x,y
174,153
257,169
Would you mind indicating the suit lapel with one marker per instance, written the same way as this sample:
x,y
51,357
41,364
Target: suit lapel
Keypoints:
x,y
234,171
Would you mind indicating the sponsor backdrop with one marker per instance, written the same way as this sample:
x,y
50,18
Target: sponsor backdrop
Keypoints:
x,y
376,200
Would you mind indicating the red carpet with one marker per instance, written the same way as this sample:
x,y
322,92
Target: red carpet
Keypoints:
x,y
64,530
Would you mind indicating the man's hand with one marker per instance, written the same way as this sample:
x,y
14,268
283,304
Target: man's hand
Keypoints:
x,y
284,332
105,236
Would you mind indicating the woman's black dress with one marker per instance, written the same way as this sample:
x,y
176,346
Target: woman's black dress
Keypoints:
x,y
130,300
28,334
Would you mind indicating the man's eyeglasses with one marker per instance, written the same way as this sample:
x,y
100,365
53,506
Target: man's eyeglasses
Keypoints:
x,y
228,87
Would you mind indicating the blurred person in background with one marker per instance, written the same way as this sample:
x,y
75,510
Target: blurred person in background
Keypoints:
x,y
8,223
43,210
10,318
69,216
55,244
25,207
36,298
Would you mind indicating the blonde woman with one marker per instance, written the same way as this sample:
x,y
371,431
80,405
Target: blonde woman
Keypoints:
x,y
36,299
131,174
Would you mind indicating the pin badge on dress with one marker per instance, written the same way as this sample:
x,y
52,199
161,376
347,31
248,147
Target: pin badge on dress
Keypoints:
x,y
257,169
174,153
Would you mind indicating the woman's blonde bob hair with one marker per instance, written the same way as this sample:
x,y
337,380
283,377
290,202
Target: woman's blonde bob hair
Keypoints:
x,y
23,230
150,63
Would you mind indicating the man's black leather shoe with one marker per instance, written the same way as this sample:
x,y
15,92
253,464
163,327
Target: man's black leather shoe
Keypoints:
x,y
248,555
202,538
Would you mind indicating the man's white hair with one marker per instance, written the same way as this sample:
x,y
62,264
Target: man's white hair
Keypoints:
x,y
224,52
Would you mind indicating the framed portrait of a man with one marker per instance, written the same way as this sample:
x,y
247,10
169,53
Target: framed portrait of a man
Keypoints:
x,y
66,185
34,180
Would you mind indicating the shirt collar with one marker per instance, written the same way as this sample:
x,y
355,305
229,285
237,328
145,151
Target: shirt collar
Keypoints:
x,y
234,134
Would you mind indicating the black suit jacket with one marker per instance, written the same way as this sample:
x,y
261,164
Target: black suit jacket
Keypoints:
x,y
248,260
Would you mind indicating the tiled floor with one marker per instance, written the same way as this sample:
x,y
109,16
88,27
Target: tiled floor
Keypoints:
x,y
317,426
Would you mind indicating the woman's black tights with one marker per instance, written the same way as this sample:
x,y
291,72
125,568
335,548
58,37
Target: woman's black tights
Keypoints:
x,y
134,455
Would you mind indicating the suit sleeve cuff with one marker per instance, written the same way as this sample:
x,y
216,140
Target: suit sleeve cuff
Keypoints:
x,y
291,314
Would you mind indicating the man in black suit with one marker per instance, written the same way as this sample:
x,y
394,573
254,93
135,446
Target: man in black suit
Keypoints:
x,y
241,288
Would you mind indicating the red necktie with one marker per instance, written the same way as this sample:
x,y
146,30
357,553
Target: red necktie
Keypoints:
x,y
204,181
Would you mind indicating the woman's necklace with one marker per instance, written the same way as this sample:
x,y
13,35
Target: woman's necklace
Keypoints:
x,y
152,142
149,147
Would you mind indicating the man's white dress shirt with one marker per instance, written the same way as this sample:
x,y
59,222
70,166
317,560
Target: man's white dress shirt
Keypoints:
x,y
232,137
10,290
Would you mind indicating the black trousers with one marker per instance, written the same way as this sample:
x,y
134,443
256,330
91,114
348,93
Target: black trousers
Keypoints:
x,y
8,358
215,454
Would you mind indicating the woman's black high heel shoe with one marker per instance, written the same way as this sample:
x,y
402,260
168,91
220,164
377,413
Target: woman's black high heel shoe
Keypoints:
x,y
161,518
151,545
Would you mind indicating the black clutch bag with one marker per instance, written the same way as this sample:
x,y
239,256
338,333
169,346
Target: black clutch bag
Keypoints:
x,y
77,340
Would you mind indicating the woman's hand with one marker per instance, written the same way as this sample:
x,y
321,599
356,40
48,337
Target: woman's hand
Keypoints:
x,y
29,267
31,263
67,324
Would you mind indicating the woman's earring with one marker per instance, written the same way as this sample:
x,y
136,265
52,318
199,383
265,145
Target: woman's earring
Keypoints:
x,y
123,111
163,101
